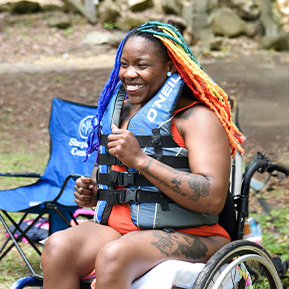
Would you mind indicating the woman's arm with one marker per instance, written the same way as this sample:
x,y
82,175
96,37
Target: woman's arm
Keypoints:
x,y
205,188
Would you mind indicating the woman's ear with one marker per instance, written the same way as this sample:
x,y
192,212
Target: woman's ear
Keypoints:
x,y
172,68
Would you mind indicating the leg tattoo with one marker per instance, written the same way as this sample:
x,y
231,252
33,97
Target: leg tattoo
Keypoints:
x,y
177,244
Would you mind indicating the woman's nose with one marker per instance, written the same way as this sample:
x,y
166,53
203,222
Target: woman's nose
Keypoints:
x,y
130,72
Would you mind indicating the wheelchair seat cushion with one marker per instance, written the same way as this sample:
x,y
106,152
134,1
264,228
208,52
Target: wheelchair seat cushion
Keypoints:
x,y
176,274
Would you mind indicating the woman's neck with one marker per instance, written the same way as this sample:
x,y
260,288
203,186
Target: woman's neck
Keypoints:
x,y
128,111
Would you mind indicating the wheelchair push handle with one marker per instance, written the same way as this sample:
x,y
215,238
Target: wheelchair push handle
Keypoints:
x,y
261,164
279,168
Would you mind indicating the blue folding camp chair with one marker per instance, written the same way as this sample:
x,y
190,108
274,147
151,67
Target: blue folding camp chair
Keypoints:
x,y
52,194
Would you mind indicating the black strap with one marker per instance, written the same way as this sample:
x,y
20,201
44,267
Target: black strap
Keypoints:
x,y
158,144
172,161
118,105
109,160
123,179
145,141
115,197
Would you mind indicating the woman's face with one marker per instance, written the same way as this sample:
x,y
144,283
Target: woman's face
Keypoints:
x,y
143,69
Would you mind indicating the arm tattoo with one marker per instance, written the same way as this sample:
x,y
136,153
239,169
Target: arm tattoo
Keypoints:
x,y
199,185
179,244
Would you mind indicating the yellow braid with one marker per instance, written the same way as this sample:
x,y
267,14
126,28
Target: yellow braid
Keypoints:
x,y
208,91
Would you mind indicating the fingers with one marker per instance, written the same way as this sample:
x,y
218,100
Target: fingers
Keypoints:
x,y
115,133
114,129
117,137
82,198
84,192
85,180
83,185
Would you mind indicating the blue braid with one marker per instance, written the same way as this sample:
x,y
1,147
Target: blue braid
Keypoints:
x,y
106,94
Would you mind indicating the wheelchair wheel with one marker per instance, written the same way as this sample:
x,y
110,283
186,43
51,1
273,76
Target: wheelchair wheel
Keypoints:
x,y
238,265
28,282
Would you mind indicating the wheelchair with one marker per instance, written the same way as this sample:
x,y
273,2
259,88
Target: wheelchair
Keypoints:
x,y
239,264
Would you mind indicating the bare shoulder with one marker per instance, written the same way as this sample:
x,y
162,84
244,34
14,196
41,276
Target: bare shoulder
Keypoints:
x,y
197,109
197,118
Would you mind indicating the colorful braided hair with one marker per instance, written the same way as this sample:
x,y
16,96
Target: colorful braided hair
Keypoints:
x,y
202,86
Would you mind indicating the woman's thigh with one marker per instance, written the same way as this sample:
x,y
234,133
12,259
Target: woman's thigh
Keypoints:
x,y
160,244
139,251
77,246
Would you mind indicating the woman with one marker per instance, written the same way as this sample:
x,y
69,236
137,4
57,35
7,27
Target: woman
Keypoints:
x,y
144,199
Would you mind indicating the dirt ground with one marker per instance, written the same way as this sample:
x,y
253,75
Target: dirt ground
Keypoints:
x,y
38,63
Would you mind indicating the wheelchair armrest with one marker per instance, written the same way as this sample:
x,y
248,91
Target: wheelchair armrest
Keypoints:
x,y
20,174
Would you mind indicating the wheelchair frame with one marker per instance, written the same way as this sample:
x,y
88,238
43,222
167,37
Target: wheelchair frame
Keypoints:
x,y
243,251
233,254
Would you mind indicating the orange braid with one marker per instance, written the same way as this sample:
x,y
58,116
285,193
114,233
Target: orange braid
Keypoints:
x,y
205,90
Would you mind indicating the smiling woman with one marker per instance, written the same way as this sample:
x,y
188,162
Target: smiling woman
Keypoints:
x,y
141,71
163,136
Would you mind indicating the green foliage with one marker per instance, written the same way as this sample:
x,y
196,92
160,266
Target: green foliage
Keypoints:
x,y
21,162
109,25
68,31
275,228
275,239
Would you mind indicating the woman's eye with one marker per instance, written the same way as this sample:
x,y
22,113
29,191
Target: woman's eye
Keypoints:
x,y
142,65
123,64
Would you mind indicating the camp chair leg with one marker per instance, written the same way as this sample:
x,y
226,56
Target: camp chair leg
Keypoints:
x,y
17,246
54,207
8,238
22,233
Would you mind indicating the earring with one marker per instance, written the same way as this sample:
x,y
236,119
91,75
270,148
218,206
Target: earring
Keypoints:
x,y
169,74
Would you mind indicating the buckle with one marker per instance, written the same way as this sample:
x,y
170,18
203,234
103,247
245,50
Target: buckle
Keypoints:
x,y
127,179
128,196
131,196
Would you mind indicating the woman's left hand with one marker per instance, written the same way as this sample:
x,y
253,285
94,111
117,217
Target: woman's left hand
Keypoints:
x,y
123,145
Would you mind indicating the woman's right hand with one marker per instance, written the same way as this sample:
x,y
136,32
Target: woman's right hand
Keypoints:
x,y
85,192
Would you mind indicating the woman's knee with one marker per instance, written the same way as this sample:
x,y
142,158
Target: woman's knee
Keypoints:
x,y
57,247
111,260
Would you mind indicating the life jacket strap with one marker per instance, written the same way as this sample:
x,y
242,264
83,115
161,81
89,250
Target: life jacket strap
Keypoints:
x,y
123,179
116,197
158,144
172,161
145,141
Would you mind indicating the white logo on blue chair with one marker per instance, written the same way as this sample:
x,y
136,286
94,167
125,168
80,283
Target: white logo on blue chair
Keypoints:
x,y
85,126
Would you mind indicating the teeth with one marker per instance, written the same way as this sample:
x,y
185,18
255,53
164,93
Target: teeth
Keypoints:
x,y
133,87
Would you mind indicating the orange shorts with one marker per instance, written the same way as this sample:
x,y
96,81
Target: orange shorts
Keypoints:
x,y
120,220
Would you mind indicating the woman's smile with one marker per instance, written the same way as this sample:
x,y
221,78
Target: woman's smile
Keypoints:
x,y
133,87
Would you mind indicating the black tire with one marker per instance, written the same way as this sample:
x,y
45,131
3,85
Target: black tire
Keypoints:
x,y
255,258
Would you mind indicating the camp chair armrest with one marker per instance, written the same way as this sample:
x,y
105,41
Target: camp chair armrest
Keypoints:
x,y
21,174
71,176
